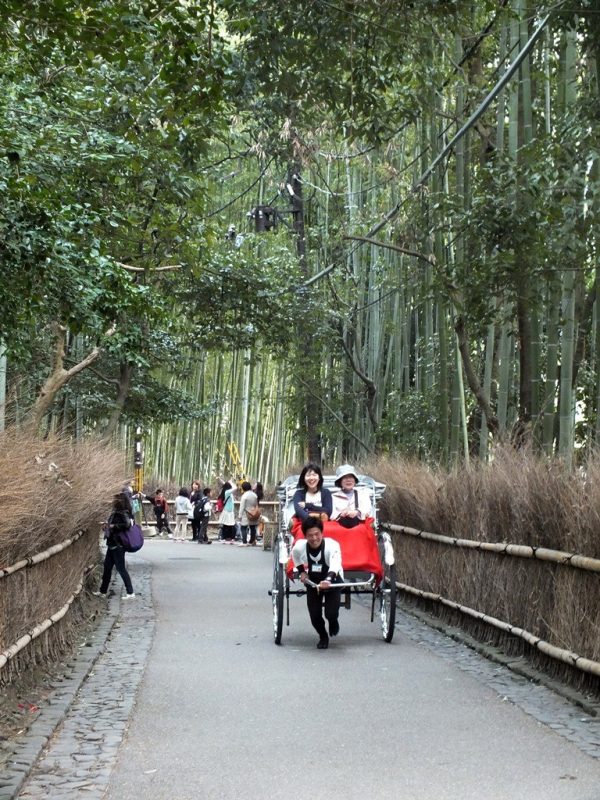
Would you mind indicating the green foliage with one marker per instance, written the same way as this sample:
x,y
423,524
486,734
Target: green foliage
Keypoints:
x,y
411,425
244,296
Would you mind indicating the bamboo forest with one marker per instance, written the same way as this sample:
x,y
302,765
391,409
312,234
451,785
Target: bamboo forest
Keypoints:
x,y
326,230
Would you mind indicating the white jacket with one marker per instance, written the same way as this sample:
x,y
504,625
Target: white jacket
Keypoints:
x,y
183,505
342,501
333,555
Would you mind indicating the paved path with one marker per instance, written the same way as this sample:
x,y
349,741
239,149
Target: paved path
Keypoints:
x,y
221,712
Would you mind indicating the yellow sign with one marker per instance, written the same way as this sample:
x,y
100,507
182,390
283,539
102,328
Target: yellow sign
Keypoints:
x,y
236,461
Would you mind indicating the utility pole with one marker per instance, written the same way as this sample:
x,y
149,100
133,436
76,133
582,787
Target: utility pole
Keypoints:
x,y
2,387
308,354
138,473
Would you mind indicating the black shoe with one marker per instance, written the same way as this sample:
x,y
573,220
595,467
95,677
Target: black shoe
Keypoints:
x,y
208,541
323,643
334,627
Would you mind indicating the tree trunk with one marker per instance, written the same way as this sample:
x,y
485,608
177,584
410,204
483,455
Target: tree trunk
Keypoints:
x,y
2,387
309,356
125,375
59,376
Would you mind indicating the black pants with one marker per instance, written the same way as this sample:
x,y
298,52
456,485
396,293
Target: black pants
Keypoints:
x,y
115,557
315,602
161,520
196,524
203,532
252,539
228,532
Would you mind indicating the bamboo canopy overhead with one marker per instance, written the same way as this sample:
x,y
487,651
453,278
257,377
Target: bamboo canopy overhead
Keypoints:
x,y
431,290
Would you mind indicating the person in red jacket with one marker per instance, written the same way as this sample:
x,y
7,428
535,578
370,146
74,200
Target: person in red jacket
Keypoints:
x,y
160,511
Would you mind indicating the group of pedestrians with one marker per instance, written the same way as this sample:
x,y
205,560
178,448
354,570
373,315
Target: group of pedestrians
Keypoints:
x,y
248,516
194,507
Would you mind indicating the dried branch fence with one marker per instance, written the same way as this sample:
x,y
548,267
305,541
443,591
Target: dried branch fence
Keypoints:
x,y
551,597
36,594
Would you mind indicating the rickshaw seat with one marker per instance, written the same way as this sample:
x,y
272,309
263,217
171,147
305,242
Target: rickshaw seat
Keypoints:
x,y
358,545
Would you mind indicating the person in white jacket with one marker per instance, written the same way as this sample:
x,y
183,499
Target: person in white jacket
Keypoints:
x,y
351,505
319,559
183,510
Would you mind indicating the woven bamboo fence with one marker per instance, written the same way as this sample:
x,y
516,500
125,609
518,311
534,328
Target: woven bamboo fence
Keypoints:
x,y
54,494
40,608
530,597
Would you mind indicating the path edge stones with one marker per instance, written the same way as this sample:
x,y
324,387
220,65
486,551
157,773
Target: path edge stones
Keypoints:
x,y
28,748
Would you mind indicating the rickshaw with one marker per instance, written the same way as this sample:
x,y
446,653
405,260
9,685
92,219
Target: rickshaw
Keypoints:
x,y
368,559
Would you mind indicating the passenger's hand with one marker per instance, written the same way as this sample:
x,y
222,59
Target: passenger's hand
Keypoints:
x,y
324,517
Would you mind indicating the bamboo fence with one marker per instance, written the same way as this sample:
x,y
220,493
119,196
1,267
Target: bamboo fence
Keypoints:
x,y
504,548
30,589
549,602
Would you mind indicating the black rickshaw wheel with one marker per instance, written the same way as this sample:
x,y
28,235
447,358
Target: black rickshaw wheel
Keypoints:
x,y
387,602
277,594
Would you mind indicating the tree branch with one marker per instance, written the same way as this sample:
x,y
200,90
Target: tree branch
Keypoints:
x,y
472,379
129,268
370,387
415,253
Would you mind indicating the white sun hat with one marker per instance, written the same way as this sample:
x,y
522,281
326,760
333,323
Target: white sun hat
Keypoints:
x,y
343,472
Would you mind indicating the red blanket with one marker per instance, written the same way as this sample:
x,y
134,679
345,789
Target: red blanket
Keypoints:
x,y
358,545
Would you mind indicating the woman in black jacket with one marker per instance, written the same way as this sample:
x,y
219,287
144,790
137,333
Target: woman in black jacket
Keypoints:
x,y
312,499
119,520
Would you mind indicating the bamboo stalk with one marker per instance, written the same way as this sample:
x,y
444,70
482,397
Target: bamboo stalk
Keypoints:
x,y
505,548
21,643
566,656
39,557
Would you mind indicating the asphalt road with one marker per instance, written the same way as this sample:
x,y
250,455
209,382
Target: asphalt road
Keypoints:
x,y
224,713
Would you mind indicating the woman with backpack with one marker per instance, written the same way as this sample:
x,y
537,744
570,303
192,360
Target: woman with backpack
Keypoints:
x,y
119,521
202,511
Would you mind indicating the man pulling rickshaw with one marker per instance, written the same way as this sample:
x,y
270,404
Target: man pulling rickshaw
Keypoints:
x,y
340,512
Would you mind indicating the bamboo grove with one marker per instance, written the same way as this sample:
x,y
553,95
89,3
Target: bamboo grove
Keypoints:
x,y
407,204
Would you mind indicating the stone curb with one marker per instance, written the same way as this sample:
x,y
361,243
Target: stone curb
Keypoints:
x,y
28,748
517,664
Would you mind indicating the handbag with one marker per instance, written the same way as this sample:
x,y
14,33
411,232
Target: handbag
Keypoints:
x,y
253,514
349,522
132,539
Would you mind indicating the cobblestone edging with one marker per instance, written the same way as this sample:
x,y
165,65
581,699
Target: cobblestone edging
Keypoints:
x,y
73,743
517,682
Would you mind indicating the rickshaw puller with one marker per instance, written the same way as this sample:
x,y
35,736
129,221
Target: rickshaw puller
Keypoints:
x,y
319,558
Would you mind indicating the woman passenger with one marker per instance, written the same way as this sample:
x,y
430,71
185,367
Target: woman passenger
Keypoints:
x,y
312,499
351,505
